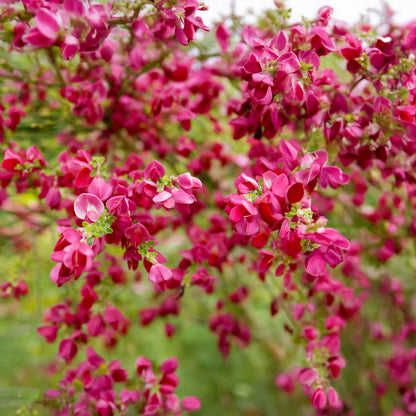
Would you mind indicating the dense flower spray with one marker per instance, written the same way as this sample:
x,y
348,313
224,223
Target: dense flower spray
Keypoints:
x,y
270,173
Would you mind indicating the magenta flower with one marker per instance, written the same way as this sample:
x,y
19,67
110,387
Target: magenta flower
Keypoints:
x,y
187,181
154,171
67,350
93,358
295,192
190,404
47,23
78,258
223,37
315,265
96,325
129,396
53,393
262,93
243,215
60,274
53,198
88,207
176,198
319,399
11,160
159,274
115,318
70,47
252,65
409,41
183,200
164,199
99,187
46,31
49,333
333,399
245,184
121,206
335,365
320,41
307,376
170,365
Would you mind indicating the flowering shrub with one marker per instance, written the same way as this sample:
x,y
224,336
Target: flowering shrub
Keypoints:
x,y
258,181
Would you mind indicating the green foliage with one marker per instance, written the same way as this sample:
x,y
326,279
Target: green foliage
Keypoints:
x,y
99,228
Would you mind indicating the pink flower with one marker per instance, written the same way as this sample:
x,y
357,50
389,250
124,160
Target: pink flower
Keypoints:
x,y
47,23
88,207
48,332
100,188
78,258
74,7
315,265
295,192
159,274
129,396
223,37
70,47
333,176
97,16
243,214
177,198
53,198
20,289
320,41
307,376
115,319
252,65
96,325
11,160
93,358
190,404
53,393
168,383
67,350
121,206
183,200
319,399
187,181
285,382
164,198
409,41
60,274
142,364
335,364
46,31
154,171
333,399
170,365
265,260
245,184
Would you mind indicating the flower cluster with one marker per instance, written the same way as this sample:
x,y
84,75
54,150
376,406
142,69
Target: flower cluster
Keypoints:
x,y
154,392
297,240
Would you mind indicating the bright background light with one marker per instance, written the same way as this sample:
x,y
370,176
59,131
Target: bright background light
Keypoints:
x,y
347,10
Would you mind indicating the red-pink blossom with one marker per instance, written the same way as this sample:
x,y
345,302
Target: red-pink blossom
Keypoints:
x,y
319,399
88,207
45,33
190,404
160,274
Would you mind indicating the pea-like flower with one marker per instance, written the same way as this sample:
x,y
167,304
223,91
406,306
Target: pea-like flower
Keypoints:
x,y
88,207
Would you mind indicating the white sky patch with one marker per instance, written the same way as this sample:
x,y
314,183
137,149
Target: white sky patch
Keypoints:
x,y
347,10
